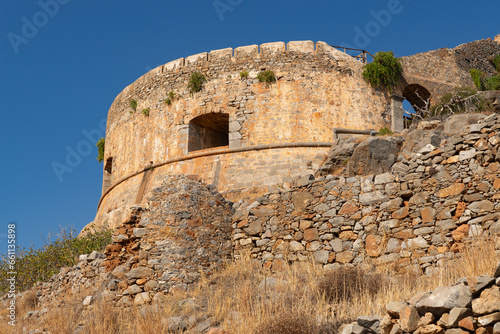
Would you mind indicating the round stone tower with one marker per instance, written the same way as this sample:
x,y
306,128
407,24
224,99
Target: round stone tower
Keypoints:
x,y
237,133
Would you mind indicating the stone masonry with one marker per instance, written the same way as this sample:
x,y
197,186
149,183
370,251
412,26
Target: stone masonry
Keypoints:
x,y
274,132
415,216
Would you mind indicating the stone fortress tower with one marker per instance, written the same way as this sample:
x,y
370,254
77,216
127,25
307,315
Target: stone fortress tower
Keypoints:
x,y
244,136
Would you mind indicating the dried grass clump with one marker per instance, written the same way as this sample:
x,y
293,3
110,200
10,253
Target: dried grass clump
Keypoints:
x,y
289,323
28,302
344,283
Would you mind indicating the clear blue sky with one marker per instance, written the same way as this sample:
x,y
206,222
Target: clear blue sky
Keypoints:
x,y
62,63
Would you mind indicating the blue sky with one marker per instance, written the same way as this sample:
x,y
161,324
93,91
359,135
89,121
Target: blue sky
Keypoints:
x,y
62,63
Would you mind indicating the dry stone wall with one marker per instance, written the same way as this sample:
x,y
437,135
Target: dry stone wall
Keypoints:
x,y
185,232
416,216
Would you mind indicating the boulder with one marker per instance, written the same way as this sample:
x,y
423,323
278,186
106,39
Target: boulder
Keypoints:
x,y
418,139
488,302
457,124
374,156
443,299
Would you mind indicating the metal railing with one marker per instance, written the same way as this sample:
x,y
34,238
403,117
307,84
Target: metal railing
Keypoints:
x,y
359,54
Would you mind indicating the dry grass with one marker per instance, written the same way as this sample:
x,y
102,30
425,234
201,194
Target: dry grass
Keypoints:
x,y
245,298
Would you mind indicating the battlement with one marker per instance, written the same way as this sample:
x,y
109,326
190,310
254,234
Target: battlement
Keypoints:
x,y
243,53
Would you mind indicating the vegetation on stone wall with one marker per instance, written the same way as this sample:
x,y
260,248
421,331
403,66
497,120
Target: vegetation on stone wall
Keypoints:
x,y
462,99
385,132
267,76
146,111
100,149
133,104
39,264
493,83
244,74
385,70
171,96
479,78
482,82
496,63
196,82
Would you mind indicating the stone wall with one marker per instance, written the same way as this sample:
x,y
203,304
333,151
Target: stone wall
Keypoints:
x,y
318,88
439,71
183,234
415,216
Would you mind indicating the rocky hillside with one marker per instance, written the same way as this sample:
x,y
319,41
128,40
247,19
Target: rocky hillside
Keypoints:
x,y
413,201
472,305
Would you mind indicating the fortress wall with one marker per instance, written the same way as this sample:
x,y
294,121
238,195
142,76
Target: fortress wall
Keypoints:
x,y
318,88
255,170
439,71
435,70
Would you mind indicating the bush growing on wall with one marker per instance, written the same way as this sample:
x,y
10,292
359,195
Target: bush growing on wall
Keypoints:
x,y
100,149
267,76
484,83
496,63
384,71
479,78
133,104
493,83
196,82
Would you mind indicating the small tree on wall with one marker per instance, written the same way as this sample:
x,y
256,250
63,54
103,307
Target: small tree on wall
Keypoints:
x,y
384,71
100,149
196,82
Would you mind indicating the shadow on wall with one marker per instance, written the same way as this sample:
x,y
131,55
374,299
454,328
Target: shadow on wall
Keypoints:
x,y
207,131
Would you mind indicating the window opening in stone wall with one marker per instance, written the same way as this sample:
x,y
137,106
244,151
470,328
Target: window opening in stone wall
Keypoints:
x,y
417,101
109,165
207,131
108,169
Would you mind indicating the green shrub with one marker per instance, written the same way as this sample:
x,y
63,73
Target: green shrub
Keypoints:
x,y
244,74
493,83
100,149
34,265
133,104
384,71
496,63
267,77
479,78
171,96
196,82
384,132
145,111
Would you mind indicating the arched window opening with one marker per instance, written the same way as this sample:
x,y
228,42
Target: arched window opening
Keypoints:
x,y
418,96
417,102
207,131
106,177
